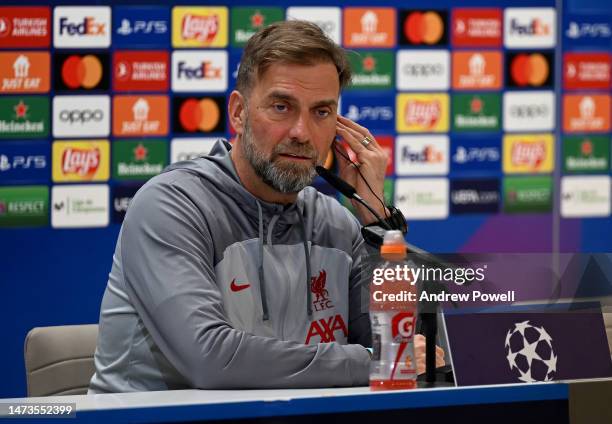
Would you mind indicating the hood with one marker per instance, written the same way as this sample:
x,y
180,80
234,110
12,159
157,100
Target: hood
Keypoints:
x,y
218,169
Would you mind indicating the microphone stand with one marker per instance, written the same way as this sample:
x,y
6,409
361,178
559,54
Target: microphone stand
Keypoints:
x,y
374,235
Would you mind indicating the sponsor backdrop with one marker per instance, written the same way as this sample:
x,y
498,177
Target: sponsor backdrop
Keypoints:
x,y
495,115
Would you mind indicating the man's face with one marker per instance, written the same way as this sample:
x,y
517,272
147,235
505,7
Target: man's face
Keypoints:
x,y
290,123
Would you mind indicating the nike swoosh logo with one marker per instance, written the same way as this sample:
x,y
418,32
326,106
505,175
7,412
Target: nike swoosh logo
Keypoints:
x,y
236,288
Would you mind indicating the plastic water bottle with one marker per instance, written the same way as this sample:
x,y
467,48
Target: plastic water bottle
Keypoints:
x,y
393,319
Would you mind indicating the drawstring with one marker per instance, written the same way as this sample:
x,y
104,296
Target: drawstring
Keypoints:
x,y
308,270
262,285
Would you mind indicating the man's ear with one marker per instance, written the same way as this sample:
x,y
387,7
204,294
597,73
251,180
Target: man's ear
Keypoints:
x,y
236,111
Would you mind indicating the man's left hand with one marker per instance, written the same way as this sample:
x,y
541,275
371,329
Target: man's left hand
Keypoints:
x,y
371,161
419,352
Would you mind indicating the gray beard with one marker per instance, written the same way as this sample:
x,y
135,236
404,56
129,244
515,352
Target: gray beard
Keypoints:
x,y
285,178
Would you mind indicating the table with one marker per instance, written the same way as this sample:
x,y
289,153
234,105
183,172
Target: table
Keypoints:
x,y
503,403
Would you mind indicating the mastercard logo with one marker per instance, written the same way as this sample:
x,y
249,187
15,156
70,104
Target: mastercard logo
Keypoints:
x,y
426,27
530,69
200,115
82,71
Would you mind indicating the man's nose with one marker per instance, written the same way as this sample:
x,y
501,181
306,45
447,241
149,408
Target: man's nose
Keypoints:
x,y
300,130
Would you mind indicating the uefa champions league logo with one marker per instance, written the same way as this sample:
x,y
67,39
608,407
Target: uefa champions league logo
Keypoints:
x,y
530,354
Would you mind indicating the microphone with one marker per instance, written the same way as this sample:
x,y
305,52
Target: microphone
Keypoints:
x,y
349,191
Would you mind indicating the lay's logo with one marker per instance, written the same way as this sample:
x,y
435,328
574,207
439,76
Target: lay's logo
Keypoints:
x,y
80,161
528,153
422,113
199,26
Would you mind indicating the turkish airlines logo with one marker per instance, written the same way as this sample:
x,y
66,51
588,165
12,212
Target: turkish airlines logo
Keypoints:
x,y
477,27
25,26
529,27
586,71
82,26
199,71
141,70
24,72
81,116
326,330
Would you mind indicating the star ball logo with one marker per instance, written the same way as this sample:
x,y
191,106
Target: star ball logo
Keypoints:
x,y
530,354
81,72
423,27
199,114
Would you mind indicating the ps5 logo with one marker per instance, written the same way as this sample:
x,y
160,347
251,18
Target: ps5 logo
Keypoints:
x,y
592,30
24,162
382,113
142,27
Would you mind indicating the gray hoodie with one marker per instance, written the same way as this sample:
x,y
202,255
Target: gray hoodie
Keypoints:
x,y
212,288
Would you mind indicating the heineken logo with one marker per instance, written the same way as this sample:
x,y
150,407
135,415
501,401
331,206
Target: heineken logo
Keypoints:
x,y
586,154
476,112
24,117
246,21
139,160
373,69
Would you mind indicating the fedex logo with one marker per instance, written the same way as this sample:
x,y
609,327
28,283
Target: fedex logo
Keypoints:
x,y
530,27
76,27
88,26
203,70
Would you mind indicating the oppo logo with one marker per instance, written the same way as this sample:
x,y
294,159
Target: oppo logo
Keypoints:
x,y
423,70
529,111
81,116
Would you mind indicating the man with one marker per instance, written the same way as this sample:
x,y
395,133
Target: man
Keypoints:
x,y
229,272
